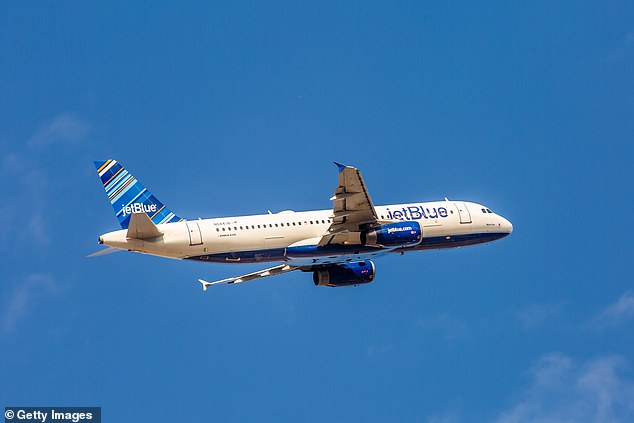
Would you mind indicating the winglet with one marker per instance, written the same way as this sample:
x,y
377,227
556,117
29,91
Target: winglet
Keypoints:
x,y
340,166
205,284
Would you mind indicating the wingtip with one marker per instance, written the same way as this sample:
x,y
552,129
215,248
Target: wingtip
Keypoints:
x,y
205,284
340,166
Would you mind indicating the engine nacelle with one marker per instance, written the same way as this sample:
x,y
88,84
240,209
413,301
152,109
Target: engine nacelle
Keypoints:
x,y
345,274
398,234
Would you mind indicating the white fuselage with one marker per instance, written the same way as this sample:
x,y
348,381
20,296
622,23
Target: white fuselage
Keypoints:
x,y
285,236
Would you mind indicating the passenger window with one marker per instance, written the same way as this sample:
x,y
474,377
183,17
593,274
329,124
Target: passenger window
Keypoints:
x,y
311,222
217,229
223,229
240,227
259,227
293,223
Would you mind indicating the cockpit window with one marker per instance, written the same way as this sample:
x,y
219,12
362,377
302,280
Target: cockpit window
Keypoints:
x,y
484,210
489,211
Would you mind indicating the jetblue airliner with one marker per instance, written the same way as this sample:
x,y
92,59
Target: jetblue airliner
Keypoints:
x,y
338,246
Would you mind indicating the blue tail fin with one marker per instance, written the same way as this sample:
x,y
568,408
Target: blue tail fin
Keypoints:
x,y
128,196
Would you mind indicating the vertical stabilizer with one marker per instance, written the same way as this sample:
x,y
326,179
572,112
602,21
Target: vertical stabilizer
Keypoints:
x,y
128,196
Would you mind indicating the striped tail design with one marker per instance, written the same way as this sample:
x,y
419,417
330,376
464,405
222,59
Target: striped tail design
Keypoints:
x,y
128,196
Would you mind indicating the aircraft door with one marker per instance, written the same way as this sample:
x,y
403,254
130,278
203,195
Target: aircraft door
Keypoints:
x,y
195,237
463,211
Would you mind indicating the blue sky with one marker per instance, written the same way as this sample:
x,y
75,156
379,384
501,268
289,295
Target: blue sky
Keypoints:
x,y
238,107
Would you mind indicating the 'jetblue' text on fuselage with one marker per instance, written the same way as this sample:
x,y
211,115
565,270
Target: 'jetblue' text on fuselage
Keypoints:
x,y
416,213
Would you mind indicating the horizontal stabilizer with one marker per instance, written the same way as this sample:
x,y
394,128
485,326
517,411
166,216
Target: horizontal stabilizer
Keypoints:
x,y
142,227
104,252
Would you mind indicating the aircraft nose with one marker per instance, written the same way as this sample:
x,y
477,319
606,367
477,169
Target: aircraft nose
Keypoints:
x,y
506,226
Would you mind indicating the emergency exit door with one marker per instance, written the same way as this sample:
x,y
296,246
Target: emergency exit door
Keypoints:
x,y
463,211
195,237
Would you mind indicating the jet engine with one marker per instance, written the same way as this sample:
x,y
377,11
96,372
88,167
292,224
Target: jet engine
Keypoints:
x,y
398,234
345,274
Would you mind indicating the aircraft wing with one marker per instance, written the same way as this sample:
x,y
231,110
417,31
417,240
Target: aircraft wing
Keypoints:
x,y
352,209
272,271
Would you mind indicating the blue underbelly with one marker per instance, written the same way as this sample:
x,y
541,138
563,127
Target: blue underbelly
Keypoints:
x,y
305,252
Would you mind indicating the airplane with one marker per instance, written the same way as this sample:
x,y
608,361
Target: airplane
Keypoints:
x,y
337,245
